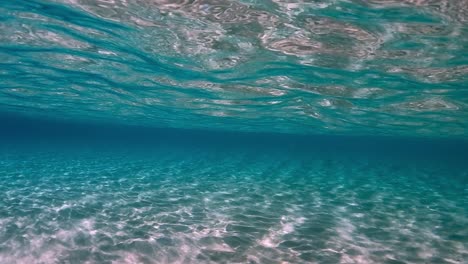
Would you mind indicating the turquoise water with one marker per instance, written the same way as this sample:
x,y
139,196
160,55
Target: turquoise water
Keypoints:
x,y
176,202
380,67
194,131
74,193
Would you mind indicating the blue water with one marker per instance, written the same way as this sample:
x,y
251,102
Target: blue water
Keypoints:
x,y
379,67
197,131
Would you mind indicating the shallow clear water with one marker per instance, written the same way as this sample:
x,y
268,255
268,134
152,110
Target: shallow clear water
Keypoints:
x,y
199,131
212,205
88,194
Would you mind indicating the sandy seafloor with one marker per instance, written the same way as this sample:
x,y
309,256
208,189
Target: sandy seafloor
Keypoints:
x,y
190,203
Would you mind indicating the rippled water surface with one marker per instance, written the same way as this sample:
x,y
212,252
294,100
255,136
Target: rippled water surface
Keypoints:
x,y
247,131
348,67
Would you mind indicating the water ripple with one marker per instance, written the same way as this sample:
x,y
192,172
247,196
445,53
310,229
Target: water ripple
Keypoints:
x,y
299,67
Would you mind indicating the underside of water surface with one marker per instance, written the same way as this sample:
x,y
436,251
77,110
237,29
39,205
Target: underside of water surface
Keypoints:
x,y
233,131
380,67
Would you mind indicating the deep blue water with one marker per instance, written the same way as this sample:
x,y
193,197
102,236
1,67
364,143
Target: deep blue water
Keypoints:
x,y
195,131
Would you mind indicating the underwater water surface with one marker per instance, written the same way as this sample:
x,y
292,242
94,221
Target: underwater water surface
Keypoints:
x,y
246,131
380,67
